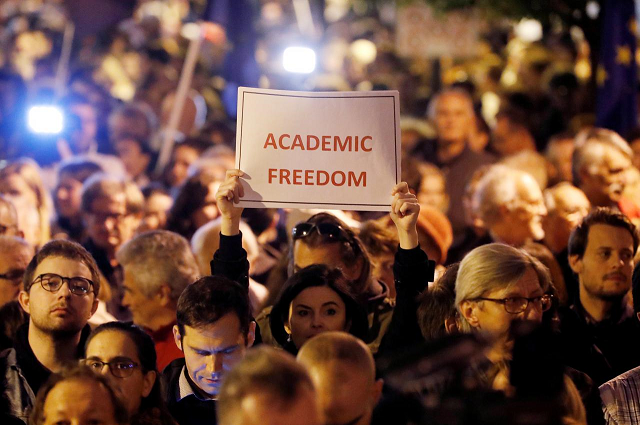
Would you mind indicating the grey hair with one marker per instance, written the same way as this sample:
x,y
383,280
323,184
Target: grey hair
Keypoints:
x,y
551,194
433,103
493,267
157,258
499,186
589,148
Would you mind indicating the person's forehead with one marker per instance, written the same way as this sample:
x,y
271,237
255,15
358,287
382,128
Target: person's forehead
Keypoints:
x,y
527,285
159,202
111,344
63,266
63,398
109,202
453,100
605,235
326,253
613,158
224,330
528,189
317,296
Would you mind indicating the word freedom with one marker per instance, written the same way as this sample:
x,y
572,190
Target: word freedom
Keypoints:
x,y
322,143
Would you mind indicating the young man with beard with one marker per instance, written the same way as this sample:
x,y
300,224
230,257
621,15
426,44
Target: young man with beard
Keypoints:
x,y
60,293
601,253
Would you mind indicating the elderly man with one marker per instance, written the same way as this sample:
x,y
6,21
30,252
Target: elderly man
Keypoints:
x,y
344,374
566,207
60,293
510,205
15,254
600,161
268,388
453,115
108,204
157,266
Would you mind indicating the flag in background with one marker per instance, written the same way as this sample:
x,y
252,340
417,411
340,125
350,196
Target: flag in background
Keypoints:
x,y
617,107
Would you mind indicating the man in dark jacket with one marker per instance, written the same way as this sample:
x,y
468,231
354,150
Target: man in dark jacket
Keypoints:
x,y
60,293
601,253
214,330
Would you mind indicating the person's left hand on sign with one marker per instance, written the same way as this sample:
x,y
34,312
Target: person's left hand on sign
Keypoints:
x,y
229,194
404,213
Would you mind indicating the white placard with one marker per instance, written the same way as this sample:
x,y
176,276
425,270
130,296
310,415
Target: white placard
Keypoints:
x,y
333,150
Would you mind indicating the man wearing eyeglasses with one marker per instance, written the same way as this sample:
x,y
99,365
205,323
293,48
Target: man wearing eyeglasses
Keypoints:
x,y
60,290
15,254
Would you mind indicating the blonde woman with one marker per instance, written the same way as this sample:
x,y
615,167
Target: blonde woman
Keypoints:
x,y
21,182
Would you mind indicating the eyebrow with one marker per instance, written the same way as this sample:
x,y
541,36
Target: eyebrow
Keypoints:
x,y
115,359
206,350
323,305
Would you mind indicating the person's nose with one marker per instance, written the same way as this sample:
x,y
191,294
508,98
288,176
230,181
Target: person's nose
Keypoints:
x,y
533,312
214,363
65,290
316,321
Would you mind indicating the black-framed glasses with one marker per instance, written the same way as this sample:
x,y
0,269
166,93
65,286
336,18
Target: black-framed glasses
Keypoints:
x,y
14,276
120,368
52,282
329,230
516,305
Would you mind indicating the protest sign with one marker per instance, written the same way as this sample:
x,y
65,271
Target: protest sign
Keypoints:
x,y
336,150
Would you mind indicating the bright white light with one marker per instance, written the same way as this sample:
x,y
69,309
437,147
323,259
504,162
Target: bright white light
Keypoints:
x,y
190,31
301,60
45,119
364,51
529,30
593,9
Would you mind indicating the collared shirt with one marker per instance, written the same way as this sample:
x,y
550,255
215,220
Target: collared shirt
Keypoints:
x,y
185,388
621,398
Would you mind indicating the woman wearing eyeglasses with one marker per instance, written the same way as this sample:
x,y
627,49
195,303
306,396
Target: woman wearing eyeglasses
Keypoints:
x,y
327,241
496,285
125,355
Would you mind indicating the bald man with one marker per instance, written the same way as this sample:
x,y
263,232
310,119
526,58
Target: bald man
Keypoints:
x,y
15,254
343,372
268,387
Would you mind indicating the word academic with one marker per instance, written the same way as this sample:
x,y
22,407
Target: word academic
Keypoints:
x,y
318,143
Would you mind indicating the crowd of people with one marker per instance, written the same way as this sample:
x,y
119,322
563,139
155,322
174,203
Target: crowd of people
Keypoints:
x,y
500,286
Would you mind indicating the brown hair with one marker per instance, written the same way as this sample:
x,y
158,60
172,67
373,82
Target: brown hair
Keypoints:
x,y
77,373
601,215
65,249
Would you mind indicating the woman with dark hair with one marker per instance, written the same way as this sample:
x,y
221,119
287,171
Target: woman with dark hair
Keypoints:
x,y
195,202
315,299
125,355
325,240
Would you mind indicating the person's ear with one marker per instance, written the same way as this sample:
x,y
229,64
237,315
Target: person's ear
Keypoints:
x,y
148,380
177,338
347,326
638,315
24,299
451,325
164,296
576,263
287,327
376,391
94,307
469,311
251,334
